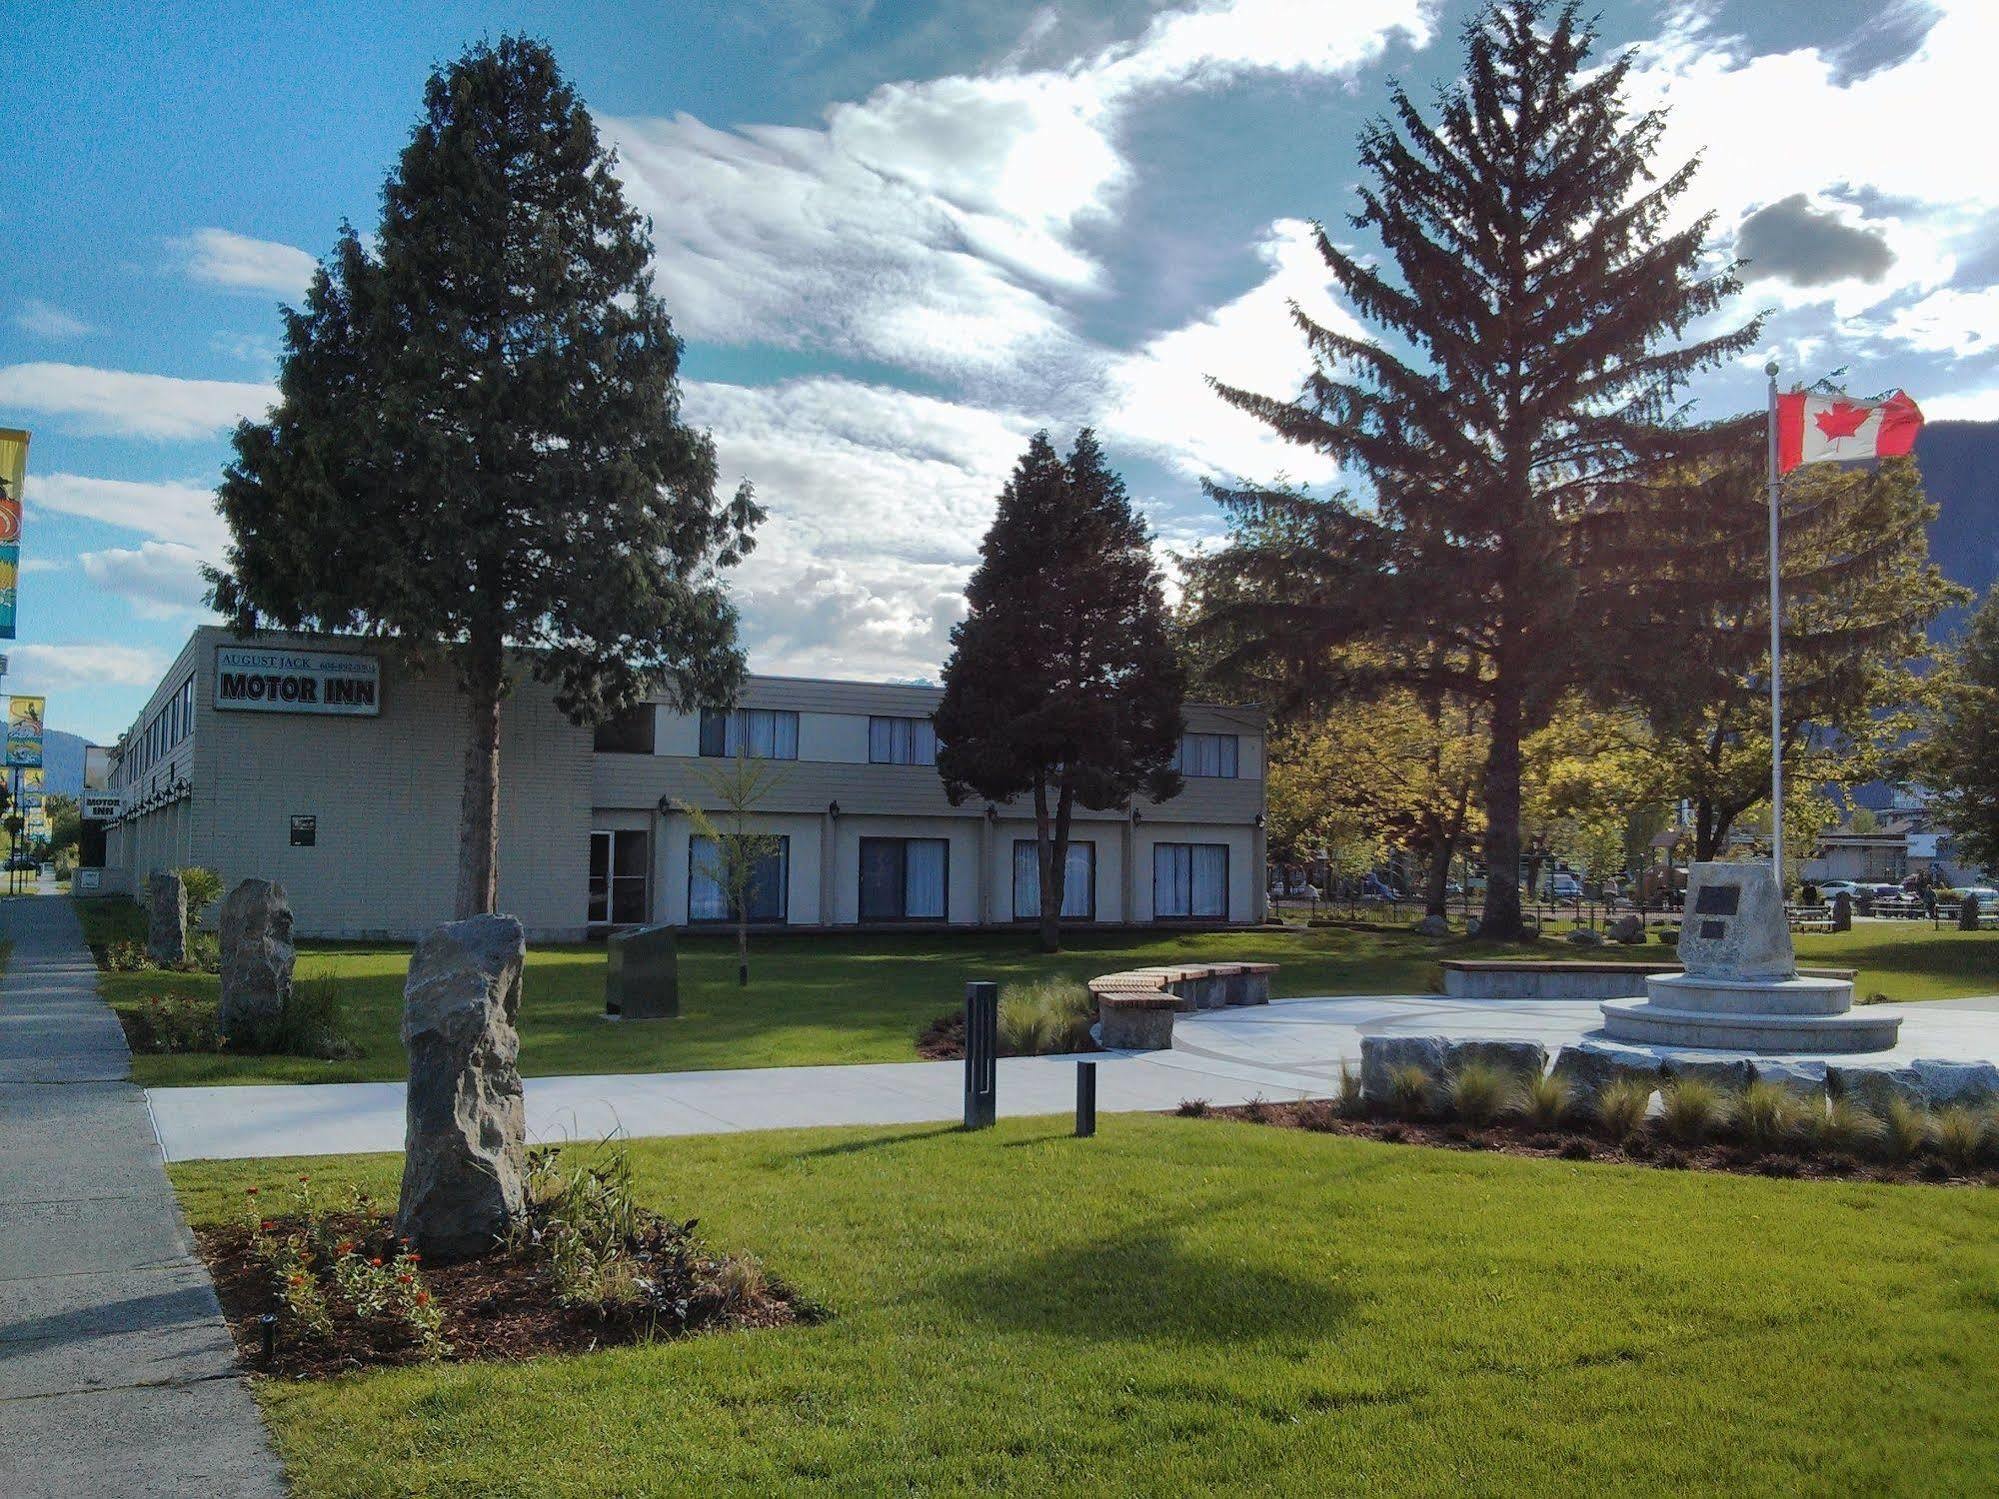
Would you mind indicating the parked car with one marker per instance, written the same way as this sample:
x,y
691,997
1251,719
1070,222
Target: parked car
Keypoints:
x,y
1565,887
1851,889
24,862
1986,894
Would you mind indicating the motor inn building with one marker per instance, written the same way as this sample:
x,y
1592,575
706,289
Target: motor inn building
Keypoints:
x,y
330,766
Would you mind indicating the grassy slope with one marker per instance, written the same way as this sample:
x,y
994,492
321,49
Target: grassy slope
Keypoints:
x,y
857,998
1179,1306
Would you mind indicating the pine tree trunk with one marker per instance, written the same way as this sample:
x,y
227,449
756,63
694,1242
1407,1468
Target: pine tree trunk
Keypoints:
x,y
479,811
1051,836
1500,919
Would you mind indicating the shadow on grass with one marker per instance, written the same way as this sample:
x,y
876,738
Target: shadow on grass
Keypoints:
x,y
879,1142
1144,1283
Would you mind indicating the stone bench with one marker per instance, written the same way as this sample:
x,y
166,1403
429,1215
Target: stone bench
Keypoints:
x,y
1136,1019
1540,978
1198,986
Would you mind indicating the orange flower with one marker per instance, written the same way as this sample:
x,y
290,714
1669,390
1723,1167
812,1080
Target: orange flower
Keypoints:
x,y
297,1280
376,1262
346,1246
423,1298
305,1178
402,1280
266,1225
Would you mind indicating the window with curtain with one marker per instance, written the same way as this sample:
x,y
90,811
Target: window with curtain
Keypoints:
x,y
905,879
901,741
1206,755
766,899
618,867
754,733
1079,881
1190,879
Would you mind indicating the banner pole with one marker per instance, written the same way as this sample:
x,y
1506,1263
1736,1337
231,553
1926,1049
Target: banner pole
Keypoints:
x,y
1776,654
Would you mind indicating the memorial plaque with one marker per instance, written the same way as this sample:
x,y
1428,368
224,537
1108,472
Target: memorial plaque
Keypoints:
x,y
1718,900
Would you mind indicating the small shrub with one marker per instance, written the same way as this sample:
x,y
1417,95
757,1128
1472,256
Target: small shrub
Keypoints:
x,y
1544,1100
1194,1108
203,887
1409,1091
1257,1110
1770,1117
125,957
1477,1092
1319,1116
311,1024
742,1282
1621,1106
168,1025
1690,1110
1905,1130
1959,1136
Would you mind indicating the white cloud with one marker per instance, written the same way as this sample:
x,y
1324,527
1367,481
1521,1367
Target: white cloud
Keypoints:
x,y
45,320
877,500
1963,406
221,258
119,403
1158,398
183,514
61,668
159,579
1948,321
937,224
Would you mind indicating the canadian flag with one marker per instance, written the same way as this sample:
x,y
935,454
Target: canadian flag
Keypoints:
x,y
1818,429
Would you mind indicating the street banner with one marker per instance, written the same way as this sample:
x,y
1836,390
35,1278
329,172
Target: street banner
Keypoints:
x,y
13,476
24,729
31,787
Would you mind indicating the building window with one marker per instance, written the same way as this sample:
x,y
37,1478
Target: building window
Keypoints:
x,y
754,733
1190,879
767,898
630,733
1079,881
617,878
902,741
1206,755
905,879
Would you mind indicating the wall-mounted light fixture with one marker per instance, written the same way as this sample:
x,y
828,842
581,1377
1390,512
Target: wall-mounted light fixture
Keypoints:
x,y
833,810
1256,821
992,812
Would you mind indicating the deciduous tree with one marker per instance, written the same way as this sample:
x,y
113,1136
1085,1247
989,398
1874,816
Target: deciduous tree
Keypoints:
x,y
477,448
1961,757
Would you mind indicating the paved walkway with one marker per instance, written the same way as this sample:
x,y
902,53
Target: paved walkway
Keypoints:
x,y
116,1373
1292,1049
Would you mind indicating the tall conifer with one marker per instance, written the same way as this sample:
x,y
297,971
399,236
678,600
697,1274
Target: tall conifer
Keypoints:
x,y
477,445
1063,682
1532,306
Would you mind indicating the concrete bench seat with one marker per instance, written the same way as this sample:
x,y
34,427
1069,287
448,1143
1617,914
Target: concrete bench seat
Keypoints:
x,y
1133,1020
1179,987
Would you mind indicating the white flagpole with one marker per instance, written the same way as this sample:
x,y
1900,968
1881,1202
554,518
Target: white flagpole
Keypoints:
x,y
1776,656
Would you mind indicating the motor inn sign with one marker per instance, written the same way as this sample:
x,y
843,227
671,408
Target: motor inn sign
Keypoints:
x,y
259,679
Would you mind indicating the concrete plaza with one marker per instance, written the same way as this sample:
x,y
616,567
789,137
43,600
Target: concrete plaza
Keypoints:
x,y
1288,1050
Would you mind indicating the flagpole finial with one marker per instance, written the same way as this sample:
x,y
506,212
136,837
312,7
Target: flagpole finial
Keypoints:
x,y
1770,369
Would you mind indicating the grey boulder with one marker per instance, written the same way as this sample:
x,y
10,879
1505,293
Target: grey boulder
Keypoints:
x,y
1582,936
1517,1059
1432,926
1950,1084
1628,929
255,927
465,1147
1731,1074
1805,1077
166,919
1381,1057
1587,1071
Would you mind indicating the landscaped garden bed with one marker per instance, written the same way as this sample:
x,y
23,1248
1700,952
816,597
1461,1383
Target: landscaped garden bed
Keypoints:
x,y
1765,1130
311,1291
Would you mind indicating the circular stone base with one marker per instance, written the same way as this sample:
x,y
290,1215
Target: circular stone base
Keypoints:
x,y
1653,1024
1790,996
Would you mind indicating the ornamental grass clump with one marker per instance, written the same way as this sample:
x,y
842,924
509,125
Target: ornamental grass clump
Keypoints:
x,y
1349,1100
1045,1018
1691,1109
1847,1129
1409,1091
1476,1093
1960,1137
1621,1106
1543,1100
1769,1116
1905,1130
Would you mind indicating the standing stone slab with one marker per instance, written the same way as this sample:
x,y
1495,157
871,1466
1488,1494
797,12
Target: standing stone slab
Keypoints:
x,y
1734,924
466,1143
166,920
1842,912
255,927
642,974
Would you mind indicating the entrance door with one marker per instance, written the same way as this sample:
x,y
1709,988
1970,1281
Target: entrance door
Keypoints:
x,y
618,868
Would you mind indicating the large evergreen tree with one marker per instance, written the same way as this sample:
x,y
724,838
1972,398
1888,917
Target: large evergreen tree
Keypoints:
x,y
1062,681
1532,302
1961,758
477,447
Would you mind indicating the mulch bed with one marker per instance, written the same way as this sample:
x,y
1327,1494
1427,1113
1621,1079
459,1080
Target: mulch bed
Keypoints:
x,y
499,1307
1646,1148
943,1040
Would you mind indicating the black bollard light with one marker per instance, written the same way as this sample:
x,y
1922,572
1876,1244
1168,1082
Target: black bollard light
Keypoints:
x,y
981,1054
1086,1100
268,1325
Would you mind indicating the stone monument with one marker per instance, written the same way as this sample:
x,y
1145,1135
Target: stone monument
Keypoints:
x,y
465,1147
166,919
1741,990
642,974
255,927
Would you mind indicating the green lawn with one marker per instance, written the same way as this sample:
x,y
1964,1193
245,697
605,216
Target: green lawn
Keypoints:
x,y
1182,1306
828,999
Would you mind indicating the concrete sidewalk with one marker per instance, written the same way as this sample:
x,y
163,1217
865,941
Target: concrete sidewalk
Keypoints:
x,y
117,1376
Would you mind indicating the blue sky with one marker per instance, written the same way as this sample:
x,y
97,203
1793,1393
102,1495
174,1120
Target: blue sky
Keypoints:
x,y
897,238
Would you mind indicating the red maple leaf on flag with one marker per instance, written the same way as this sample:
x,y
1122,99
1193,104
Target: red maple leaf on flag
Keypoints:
x,y
1842,419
